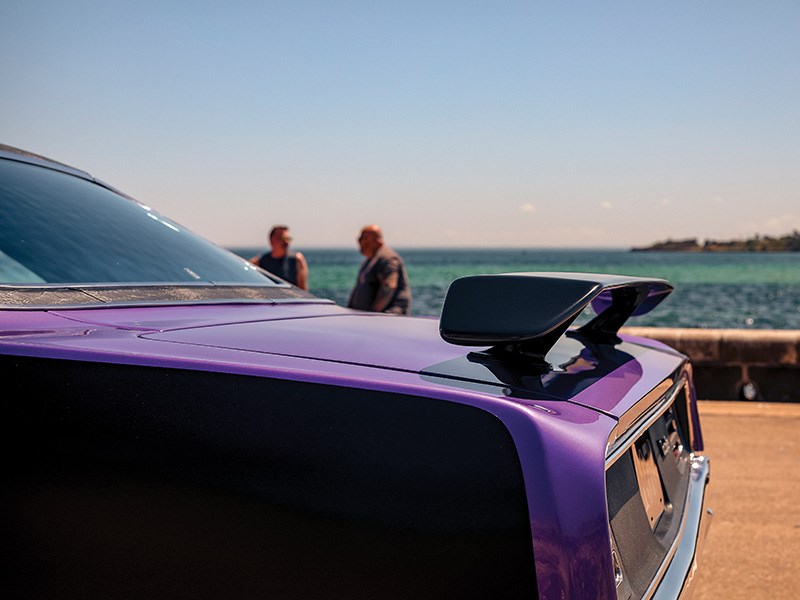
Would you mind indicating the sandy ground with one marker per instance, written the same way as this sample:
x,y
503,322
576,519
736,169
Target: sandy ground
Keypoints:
x,y
753,547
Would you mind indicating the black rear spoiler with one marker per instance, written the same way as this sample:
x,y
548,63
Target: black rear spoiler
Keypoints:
x,y
526,313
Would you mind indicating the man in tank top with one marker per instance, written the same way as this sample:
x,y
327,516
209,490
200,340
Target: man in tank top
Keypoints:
x,y
290,266
382,284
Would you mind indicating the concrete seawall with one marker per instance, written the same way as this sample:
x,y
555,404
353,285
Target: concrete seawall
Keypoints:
x,y
737,364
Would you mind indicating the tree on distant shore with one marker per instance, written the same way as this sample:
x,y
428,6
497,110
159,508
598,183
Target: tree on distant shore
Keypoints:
x,y
757,243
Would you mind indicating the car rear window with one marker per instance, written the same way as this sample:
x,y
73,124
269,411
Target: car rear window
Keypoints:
x,y
56,228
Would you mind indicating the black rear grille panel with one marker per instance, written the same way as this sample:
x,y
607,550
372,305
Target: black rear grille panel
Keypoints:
x,y
645,513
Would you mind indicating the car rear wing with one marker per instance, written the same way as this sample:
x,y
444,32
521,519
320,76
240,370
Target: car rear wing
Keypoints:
x,y
526,313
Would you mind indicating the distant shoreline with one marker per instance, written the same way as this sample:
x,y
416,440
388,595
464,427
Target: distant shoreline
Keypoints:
x,y
786,243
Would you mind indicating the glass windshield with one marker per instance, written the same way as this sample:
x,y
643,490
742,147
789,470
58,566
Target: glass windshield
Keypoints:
x,y
56,228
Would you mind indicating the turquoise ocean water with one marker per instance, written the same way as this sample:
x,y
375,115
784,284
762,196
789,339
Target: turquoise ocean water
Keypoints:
x,y
739,290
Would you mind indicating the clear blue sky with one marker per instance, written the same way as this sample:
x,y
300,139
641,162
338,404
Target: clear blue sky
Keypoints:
x,y
533,124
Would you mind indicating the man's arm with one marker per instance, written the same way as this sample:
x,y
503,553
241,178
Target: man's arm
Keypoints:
x,y
389,279
302,271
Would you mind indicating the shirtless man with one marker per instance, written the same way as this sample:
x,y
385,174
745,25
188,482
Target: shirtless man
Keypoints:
x,y
290,266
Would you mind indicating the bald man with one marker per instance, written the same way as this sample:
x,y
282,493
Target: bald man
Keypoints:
x,y
382,284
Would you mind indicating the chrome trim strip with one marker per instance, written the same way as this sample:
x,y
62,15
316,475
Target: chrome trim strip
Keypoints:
x,y
30,158
145,295
690,395
111,285
625,433
678,579
150,304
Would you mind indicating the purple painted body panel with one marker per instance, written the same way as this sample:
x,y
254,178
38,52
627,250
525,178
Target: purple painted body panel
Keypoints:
x,y
560,443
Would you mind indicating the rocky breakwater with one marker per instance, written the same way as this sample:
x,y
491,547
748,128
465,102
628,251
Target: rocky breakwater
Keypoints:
x,y
737,364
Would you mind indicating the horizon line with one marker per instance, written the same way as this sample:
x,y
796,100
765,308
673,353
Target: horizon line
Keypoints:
x,y
354,248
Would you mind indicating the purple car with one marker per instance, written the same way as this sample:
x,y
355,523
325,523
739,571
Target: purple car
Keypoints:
x,y
179,423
